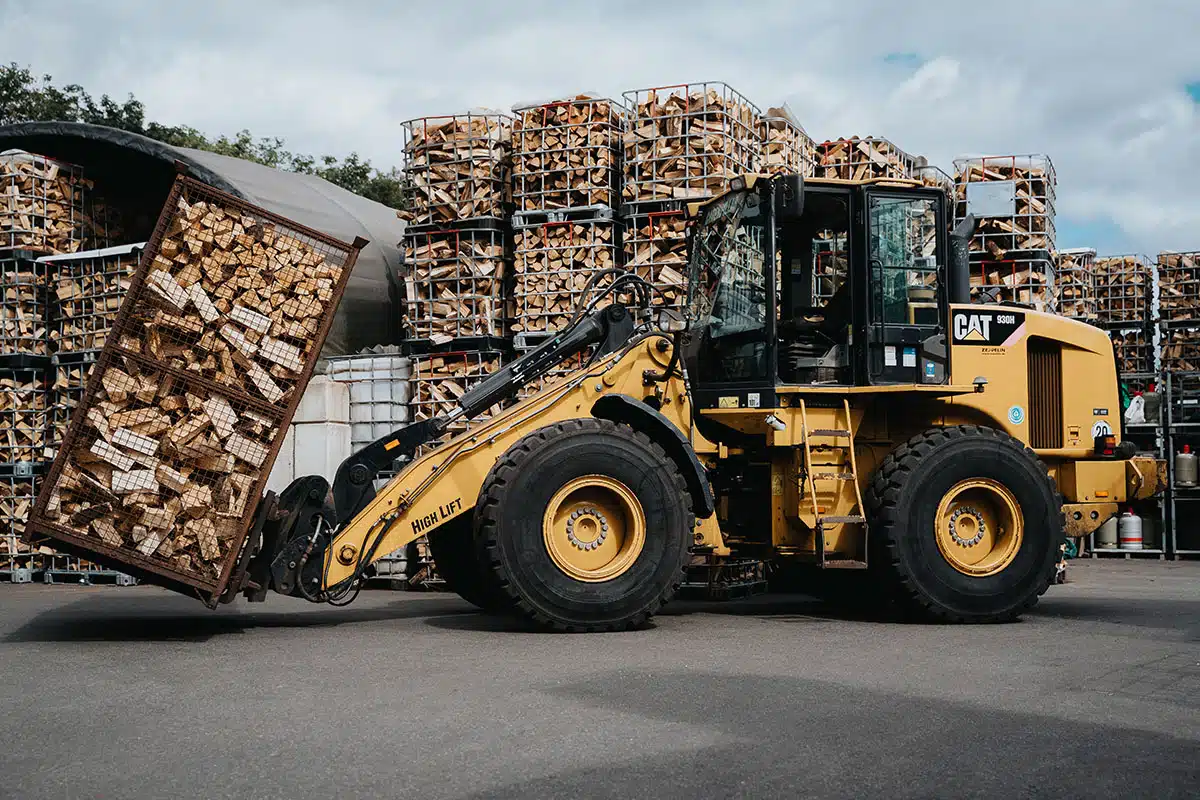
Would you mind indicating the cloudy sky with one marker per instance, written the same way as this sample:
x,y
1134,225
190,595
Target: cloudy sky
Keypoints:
x,y
1109,89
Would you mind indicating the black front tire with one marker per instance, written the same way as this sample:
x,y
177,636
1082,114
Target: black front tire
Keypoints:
x,y
454,555
509,526
902,502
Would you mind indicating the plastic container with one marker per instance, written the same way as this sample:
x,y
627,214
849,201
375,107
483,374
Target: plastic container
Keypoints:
x,y
1129,531
1185,467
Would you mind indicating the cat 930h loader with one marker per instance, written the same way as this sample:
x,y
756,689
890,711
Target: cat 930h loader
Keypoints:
x,y
828,401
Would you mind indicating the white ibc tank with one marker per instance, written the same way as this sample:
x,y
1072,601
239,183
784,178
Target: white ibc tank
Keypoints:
x,y
1129,531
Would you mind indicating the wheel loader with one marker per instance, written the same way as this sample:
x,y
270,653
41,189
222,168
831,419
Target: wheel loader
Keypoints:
x,y
829,401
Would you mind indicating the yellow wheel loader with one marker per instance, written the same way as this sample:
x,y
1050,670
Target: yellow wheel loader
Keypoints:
x,y
829,402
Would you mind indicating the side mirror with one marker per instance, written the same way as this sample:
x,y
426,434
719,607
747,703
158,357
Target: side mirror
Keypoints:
x,y
671,321
960,260
789,197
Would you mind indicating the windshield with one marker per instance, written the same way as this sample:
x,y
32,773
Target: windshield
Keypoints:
x,y
727,282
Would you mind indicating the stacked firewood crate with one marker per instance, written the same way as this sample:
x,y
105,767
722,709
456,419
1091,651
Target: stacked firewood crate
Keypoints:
x,y
1075,283
43,204
1178,288
786,148
858,159
1012,199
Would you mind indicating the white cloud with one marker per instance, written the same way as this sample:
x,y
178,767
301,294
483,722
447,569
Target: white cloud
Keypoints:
x,y
1099,88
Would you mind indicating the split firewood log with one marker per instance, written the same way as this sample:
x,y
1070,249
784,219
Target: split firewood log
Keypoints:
x,y
690,144
42,204
1179,285
23,312
457,167
565,154
554,263
1124,285
456,284
857,159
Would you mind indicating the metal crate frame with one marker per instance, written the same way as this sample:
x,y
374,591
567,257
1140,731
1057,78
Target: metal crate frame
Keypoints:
x,y
432,394
590,144
1075,284
787,149
1031,226
1126,290
88,289
1138,349
24,416
56,223
535,246
70,540
655,241
24,311
858,158
1010,279
472,182
706,134
474,281
1179,286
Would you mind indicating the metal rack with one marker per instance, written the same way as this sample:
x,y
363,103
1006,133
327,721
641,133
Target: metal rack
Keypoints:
x,y
1075,283
566,155
1021,276
934,177
1178,286
553,263
1126,290
457,282
1183,427
1138,349
786,148
24,414
440,379
1012,197
690,144
19,563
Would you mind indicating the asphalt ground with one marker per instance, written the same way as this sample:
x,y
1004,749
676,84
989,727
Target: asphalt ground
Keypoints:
x,y
135,692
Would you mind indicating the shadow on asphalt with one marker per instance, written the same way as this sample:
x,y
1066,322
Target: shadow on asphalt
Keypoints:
x,y
110,618
833,740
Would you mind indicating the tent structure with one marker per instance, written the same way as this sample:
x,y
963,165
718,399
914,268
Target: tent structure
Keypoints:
x,y
135,173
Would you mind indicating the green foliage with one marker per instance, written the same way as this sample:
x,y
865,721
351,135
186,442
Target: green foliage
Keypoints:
x,y
27,98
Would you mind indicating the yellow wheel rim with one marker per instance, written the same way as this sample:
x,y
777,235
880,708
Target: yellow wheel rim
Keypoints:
x,y
594,528
979,527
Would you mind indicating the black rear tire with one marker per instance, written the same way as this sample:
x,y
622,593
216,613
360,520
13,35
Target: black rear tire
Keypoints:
x,y
523,484
902,502
454,555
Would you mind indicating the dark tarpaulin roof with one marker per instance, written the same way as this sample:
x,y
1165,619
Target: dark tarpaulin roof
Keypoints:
x,y
136,172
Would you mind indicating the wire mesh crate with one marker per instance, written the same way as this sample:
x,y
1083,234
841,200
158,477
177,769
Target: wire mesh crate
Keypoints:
x,y
440,379
24,404
457,167
23,311
786,148
934,177
1024,277
70,375
106,225
553,264
18,561
1179,286
1181,349
1075,283
42,204
655,245
87,291
690,144
1125,289
1012,197
457,284
566,154
858,159
168,451
1137,350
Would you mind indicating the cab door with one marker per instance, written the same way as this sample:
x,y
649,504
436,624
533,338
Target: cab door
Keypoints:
x,y
906,306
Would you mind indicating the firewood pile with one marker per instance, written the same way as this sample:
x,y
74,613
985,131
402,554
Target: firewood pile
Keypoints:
x,y
458,167
167,454
1025,223
1179,286
786,148
69,377
1027,280
457,283
1075,283
690,144
858,159
23,416
554,262
1181,349
42,204
16,501
932,176
565,154
1124,288
440,379
23,312
656,250
88,289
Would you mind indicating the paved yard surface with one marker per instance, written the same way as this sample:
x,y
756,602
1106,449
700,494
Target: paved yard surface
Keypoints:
x,y
109,692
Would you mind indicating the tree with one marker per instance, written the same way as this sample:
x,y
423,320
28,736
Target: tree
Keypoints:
x,y
27,98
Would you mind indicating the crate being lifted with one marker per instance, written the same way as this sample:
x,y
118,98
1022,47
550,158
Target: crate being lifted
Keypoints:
x,y
554,262
1011,197
457,167
170,447
688,141
566,158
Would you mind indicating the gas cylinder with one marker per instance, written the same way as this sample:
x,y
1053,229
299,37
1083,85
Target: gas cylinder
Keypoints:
x,y
1151,531
1185,467
1106,535
1153,404
1129,530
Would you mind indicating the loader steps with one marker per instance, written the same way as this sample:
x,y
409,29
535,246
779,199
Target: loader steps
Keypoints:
x,y
834,471
846,520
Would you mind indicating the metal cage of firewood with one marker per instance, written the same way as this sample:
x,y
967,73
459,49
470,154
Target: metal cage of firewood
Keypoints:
x,y
69,375
690,144
1023,277
1181,349
440,379
86,293
1030,223
1138,350
23,305
1075,284
23,416
556,375
457,283
457,167
17,494
43,204
1126,289
553,263
169,449
786,148
862,158
566,155
1179,286
655,244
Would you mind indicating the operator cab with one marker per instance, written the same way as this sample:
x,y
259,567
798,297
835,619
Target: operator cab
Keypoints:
x,y
857,295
